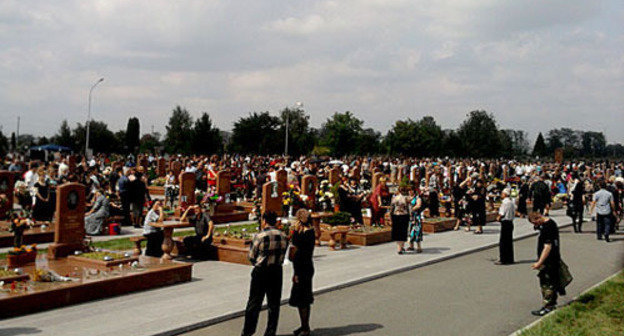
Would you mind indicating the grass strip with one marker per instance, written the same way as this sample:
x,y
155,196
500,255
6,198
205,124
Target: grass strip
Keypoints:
x,y
598,312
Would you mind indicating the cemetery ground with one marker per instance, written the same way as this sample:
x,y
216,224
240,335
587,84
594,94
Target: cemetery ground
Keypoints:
x,y
456,289
467,296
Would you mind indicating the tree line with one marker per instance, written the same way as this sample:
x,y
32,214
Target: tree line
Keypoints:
x,y
342,133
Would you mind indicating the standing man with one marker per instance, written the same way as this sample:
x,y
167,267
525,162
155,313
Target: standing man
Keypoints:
x,y
506,214
604,204
267,253
123,184
548,263
540,194
577,195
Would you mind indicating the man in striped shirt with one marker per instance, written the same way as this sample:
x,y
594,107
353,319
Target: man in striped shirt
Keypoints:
x,y
267,253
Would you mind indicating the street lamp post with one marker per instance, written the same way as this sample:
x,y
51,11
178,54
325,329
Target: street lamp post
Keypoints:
x,y
298,105
89,115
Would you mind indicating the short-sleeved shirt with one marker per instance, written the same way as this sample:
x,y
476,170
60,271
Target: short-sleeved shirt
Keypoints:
x,y
400,205
151,217
507,210
200,222
549,234
268,248
603,199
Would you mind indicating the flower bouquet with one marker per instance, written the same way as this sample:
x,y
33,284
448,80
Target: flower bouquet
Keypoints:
x,y
291,200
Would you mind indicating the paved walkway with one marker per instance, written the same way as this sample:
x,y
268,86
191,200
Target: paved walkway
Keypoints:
x,y
219,290
466,296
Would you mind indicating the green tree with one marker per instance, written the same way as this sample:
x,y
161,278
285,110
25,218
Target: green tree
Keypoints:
x,y
480,135
369,142
179,132
566,138
133,131
64,136
593,144
341,132
256,134
4,144
301,137
540,149
102,140
452,144
206,138
416,138
149,142
513,143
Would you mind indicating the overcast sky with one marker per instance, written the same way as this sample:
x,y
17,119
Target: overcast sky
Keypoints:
x,y
535,65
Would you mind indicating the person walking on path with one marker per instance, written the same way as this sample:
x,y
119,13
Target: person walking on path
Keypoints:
x,y
604,204
540,194
506,214
267,253
302,250
577,202
548,264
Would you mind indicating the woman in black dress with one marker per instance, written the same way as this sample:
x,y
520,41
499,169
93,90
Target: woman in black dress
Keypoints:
x,y
302,241
41,209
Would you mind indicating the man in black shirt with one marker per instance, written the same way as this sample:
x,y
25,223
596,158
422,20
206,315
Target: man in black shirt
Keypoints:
x,y
540,194
548,263
200,245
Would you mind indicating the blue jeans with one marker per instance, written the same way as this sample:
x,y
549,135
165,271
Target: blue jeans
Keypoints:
x,y
603,225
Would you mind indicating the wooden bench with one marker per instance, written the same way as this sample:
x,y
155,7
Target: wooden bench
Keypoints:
x,y
137,244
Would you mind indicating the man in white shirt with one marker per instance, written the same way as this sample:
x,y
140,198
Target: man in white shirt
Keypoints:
x,y
506,214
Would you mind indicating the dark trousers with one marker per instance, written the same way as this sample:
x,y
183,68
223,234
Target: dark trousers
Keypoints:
x,y
125,208
264,281
197,248
505,247
153,247
434,205
548,286
577,217
603,225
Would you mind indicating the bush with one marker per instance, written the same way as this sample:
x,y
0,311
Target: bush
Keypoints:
x,y
339,218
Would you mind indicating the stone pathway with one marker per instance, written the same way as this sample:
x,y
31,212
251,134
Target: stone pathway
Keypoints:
x,y
219,290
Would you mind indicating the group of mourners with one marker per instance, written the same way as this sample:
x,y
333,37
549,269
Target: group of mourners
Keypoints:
x,y
408,190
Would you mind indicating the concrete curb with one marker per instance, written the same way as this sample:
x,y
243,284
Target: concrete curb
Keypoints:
x,y
327,289
538,321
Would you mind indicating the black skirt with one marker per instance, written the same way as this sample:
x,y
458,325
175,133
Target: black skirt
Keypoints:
x,y
301,292
399,227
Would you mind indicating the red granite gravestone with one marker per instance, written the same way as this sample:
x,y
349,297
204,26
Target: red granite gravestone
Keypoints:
x,y
71,163
161,167
334,176
176,167
69,221
223,182
271,198
187,188
281,177
6,193
308,188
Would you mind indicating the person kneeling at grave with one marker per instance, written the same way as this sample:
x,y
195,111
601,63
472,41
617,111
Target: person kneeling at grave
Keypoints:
x,y
154,235
200,245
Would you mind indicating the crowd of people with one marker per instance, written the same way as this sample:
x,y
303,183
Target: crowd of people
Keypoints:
x,y
400,190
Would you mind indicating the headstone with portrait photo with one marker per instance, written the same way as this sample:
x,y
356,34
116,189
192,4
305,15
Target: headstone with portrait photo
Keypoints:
x,y
69,231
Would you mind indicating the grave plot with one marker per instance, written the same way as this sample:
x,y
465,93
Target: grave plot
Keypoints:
x,y
72,273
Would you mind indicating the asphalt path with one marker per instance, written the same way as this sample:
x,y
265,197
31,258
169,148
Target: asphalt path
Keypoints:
x,y
466,296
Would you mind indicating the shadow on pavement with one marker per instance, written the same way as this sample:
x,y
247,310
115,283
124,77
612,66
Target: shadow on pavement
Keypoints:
x,y
18,331
351,329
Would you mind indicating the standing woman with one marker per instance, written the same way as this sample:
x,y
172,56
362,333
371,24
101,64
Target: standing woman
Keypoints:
x,y
415,225
380,193
301,294
399,210
41,209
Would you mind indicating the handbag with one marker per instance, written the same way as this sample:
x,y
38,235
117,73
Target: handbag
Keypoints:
x,y
565,277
